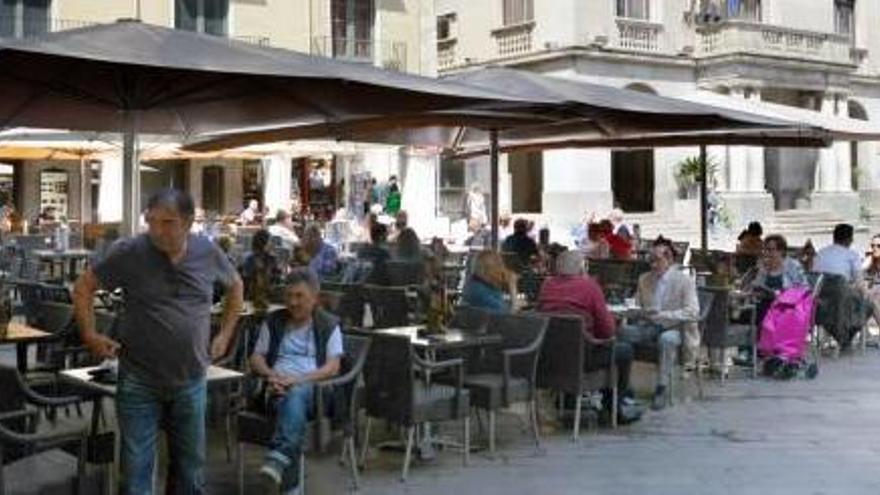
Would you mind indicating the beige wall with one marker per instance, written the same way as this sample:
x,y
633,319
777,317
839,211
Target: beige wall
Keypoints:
x,y
291,24
232,182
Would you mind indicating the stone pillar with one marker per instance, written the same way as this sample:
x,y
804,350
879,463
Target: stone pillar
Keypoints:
x,y
576,181
755,157
826,162
842,150
833,187
719,154
745,196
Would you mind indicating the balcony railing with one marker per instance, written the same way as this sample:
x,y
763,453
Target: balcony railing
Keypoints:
x,y
18,27
445,54
387,54
738,37
254,40
514,40
640,36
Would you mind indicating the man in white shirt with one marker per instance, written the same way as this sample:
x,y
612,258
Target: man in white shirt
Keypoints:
x,y
283,229
838,258
297,345
250,214
668,297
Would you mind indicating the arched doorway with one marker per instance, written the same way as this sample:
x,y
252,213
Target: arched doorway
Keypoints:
x,y
632,173
860,153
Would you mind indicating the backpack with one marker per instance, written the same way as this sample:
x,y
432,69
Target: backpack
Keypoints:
x,y
786,325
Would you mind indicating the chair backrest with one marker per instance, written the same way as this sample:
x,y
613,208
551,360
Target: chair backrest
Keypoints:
x,y
404,272
520,331
389,378
833,294
469,319
350,307
54,317
389,305
714,314
681,249
55,293
618,278
561,364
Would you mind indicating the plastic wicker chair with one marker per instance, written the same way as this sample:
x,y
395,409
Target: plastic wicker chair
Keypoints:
x,y
566,364
255,427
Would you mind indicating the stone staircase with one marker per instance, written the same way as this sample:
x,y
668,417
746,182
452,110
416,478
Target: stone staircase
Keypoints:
x,y
796,225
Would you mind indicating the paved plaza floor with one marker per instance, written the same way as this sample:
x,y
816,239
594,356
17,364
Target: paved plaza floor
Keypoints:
x,y
748,437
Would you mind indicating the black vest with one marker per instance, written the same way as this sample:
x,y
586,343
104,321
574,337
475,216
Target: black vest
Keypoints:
x,y
323,324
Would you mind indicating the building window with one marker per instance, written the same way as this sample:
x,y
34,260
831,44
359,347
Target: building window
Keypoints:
x,y
353,28
202,16
446,27
634,9
844,17
517,12
24,18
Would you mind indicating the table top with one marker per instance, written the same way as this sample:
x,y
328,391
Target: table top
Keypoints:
x,y
81,376
68,253
624,311
19,333
449,338
246,310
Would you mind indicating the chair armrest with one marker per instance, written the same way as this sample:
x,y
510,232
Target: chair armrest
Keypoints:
x,y
45,440
43,400
594,342
19,414
344,379
456,364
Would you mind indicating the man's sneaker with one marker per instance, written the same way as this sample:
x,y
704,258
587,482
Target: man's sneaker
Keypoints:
x,y
272,472
659,400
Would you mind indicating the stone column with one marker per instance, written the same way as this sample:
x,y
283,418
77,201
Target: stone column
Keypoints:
x,y
833,187
575,181
737,159
842,150
755,160
745,197
826,162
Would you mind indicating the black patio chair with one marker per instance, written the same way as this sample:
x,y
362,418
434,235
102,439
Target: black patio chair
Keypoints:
x,y
618,278
20,438
395,393
350,308
842,311
405,273
469,319
256,425
390,306
718,331
508,375
569,364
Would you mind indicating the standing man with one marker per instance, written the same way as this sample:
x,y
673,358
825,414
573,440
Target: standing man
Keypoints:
x,y
167,275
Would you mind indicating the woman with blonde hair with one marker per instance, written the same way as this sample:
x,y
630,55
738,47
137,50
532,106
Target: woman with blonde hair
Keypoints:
x,y
486,286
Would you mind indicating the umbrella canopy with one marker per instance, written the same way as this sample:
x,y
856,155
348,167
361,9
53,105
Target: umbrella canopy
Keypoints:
x,y
132,77
570,113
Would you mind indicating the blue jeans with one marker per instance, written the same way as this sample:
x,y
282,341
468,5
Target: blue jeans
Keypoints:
x,y
143,408
292,410
668,341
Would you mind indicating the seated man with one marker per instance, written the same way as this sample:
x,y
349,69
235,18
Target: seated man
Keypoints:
x,y
572,291
839,258
669,297
520,243
377,254
296,346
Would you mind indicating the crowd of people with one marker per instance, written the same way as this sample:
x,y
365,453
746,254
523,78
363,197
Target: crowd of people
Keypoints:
x,y
165,385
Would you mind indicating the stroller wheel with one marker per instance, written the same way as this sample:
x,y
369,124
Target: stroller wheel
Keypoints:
x,y
812,371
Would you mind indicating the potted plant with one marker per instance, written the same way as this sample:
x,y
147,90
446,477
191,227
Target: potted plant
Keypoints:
x,y
687,175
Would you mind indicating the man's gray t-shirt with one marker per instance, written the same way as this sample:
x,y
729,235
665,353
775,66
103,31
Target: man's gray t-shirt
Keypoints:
x,y
165,328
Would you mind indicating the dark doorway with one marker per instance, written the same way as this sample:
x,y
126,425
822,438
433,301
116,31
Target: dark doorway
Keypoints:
x,y
632,180
526,182
212,189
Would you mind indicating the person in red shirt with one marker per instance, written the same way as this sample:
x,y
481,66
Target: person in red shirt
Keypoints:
x,y
572,291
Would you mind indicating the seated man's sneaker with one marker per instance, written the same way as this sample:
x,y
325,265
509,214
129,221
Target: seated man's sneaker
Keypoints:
x,y
659,400
629,410
272,472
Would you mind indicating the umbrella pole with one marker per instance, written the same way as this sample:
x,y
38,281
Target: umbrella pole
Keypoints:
x,y
493,164
131,177
704,201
